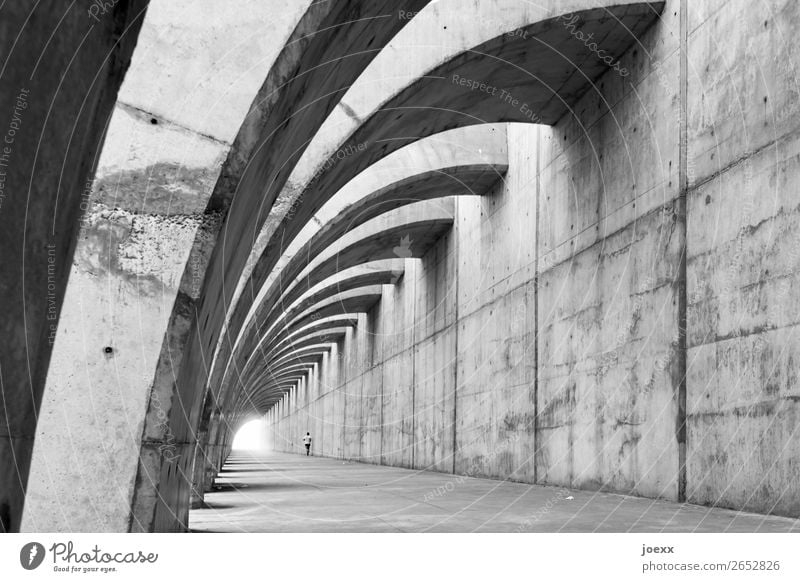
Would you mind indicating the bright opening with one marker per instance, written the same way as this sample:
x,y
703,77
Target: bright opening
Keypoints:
x,y
251,437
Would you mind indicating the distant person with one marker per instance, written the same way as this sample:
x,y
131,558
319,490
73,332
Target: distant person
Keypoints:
x,y
307,443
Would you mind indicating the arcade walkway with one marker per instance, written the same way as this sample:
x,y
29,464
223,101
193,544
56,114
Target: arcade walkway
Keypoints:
x,y
291,493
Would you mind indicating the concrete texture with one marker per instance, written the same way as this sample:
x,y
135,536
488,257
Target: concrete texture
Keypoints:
x,y
296,83
471,107
57,59
144,215
570,343
743,397
295,493
462,242
378,123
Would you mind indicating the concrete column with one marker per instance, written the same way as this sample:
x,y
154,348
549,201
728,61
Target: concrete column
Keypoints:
x,y
56,99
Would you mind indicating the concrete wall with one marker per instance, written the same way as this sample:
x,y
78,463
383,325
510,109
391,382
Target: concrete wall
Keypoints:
x,y
62,68
144,214
636,271
743,245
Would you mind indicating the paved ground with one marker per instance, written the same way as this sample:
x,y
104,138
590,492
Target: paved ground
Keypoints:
x,y
292,493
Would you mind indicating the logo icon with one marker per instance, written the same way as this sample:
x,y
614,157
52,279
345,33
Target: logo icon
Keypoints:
x,y
31,555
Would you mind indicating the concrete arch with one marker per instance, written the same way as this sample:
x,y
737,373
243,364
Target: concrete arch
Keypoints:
x,y
376,241
347,320
57,103
463,161
209,319
501,62
164,142
467,180
331,45
414,170
371,273
297,356
328,336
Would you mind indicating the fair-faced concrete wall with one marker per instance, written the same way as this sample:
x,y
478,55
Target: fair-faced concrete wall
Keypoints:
x,y
743,396
168,137
568,307
63,66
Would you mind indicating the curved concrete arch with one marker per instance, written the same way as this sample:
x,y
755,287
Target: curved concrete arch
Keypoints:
x,y
481,180
625,18
298,370
330,47
375,242
170,130
327,307
355,253
477,180
408,174
278,375
335,332
371,273
284,380
348,320
356,301
285,375
275,368
296,356
552,77
368,275
57,99
399,115
266,386
496,62
258,407
329,336
468,161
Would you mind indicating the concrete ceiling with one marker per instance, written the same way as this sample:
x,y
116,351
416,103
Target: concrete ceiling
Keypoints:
x,y
552,71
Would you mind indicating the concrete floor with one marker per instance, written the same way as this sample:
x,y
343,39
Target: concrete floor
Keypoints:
x,y
280,492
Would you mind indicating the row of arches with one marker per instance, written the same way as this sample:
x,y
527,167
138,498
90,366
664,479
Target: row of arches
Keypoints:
x,y
369,129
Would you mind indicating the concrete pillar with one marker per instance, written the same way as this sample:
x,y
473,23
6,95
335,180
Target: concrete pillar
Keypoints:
x,y
56,100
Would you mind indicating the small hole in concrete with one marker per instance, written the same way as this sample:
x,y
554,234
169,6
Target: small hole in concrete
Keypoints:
x,y
765,98
108,350
154,121
708,199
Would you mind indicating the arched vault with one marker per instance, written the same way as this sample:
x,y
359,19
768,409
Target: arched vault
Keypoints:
x,y
538,76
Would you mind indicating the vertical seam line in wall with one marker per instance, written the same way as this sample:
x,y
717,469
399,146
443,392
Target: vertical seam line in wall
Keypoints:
x,y
536,307
456,263
414,299
383,370
682,273
362,367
